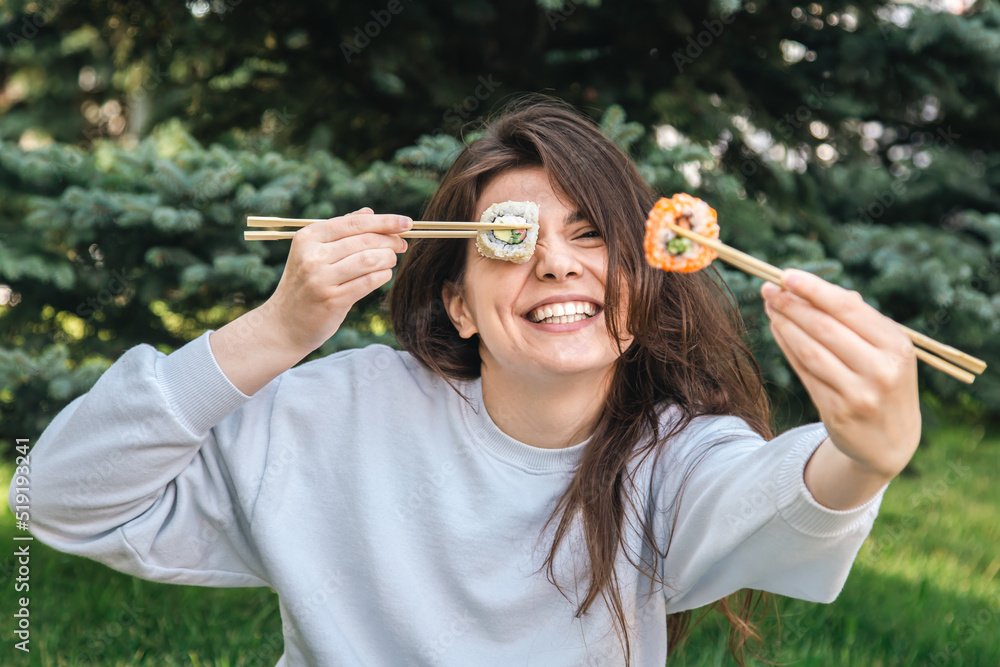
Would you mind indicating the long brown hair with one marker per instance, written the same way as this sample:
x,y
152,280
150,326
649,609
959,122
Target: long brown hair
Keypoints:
x,y
688,347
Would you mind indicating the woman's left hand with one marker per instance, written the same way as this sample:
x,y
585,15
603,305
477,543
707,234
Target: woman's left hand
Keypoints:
x,y
859,368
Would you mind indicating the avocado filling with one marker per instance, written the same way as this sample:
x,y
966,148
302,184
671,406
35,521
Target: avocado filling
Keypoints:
x,y
510,236
678,245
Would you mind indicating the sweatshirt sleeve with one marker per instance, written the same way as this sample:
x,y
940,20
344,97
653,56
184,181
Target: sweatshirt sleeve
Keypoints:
x,y
155,470
747,520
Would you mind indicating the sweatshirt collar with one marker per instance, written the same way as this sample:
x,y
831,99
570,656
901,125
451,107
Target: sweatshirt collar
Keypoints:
x,y
506,448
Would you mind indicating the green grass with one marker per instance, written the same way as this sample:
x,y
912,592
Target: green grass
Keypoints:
x,y
924,591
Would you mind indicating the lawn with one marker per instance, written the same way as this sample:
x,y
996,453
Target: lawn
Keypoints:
x,y
924,591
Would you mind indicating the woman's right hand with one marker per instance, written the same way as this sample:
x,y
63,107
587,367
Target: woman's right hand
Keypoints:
x,y
331,265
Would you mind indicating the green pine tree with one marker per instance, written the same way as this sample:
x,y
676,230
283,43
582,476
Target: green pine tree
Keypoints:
x,y
856,141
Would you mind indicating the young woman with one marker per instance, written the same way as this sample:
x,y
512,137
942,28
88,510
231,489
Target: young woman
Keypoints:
x,y
516,487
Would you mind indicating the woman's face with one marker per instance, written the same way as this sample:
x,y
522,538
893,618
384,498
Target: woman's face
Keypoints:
x,y
514,307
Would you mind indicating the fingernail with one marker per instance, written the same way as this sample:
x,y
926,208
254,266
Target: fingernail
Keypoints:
x,y
769,290
405,222
791,278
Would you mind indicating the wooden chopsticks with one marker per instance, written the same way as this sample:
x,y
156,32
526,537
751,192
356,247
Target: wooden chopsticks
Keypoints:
x,y
772,274
421,229
949,360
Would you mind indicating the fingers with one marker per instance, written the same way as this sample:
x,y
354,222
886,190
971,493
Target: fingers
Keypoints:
x,y
318,272
845,306
333,240
820,392
358,265
840,341
360,248
359,242
823,373
864,340
360,222
365,284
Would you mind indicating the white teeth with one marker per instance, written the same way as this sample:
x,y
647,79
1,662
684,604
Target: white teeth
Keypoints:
x,y
563,319
570,311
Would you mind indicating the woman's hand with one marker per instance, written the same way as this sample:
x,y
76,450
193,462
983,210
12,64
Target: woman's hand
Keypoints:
x,y
331,265
859,368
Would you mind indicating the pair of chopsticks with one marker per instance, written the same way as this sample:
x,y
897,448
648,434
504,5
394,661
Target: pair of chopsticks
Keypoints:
x,y
948,361
772,274
421,229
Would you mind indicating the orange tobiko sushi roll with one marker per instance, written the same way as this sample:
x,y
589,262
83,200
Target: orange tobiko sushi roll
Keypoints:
x,y
667,250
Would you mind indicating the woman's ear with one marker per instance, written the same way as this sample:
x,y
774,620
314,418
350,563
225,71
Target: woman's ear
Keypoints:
x,y
458,312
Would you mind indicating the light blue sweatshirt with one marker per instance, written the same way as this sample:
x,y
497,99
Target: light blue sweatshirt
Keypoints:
x,y
396,522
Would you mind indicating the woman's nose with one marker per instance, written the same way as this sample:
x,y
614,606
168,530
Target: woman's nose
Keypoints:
x,y
556,260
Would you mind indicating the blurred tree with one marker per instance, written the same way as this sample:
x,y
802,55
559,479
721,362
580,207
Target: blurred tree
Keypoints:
x,y
852,140
146,245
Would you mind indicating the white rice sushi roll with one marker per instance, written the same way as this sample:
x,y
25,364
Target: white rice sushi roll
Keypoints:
x,y
512,245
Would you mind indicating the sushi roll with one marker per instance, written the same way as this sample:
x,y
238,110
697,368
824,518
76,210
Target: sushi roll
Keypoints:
x,y
667,250
512,245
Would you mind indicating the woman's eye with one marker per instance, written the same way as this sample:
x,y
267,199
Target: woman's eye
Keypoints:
x,y
592,234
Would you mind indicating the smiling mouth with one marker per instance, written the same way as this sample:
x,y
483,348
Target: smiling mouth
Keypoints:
x,y
563,313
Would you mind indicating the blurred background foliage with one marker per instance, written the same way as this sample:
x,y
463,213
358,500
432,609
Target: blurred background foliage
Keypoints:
x,y
855,140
